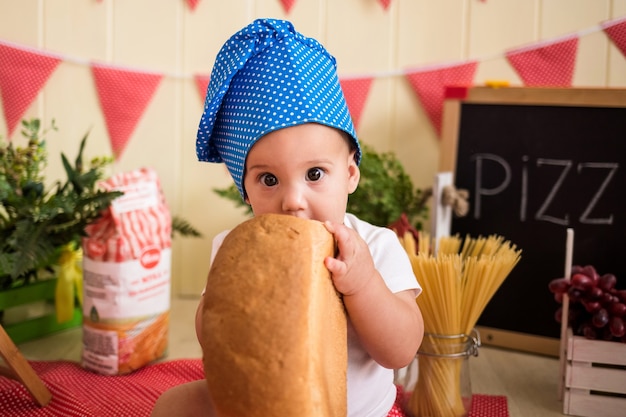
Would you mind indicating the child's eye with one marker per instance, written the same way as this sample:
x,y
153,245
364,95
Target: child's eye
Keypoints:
x,y
268,180
315,174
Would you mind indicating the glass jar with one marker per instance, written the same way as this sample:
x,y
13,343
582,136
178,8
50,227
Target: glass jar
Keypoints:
x,y
437,383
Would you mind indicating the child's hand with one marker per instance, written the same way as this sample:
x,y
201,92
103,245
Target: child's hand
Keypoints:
x,y
389,325
353,267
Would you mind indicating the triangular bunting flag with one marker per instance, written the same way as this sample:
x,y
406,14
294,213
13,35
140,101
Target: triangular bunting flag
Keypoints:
x,y
287,5
430,87
545,65
385,3
616,31
202,83
192,4
22,75
356,91
124,95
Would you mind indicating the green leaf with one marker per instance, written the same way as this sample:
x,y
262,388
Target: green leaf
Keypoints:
x,y
386,191
35,221
184,228
232,193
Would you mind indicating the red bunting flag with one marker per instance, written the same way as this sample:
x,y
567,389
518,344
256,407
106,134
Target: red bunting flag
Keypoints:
x,y
547,64
356,91
124,95
202,83
430,87
616,31
192,4
22,75
287,5
385,3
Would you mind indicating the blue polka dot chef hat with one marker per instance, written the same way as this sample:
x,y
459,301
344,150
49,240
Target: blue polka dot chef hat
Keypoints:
x,y
266,77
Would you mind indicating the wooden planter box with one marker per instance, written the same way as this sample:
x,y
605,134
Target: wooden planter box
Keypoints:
x,y
595,378
28,312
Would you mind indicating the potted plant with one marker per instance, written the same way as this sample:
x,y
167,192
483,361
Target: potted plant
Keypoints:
x,y
41,229
41,226
36,222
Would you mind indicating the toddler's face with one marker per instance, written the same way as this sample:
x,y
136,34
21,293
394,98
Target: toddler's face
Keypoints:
x,y
306,171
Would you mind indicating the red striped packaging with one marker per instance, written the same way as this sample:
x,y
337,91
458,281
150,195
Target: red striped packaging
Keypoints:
x,y
127,268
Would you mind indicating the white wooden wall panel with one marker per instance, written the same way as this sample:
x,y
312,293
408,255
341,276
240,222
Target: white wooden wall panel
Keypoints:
x,y
365,48
495,28
616,74
205,31
427,33
166,37
431,32
591,58
13,29
75,29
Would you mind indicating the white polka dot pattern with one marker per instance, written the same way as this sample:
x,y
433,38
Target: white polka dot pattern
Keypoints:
x,y
22,75
430,87
124,96
482,405
267,77
356,91
80,393
202,83
489,406
617,33
547,66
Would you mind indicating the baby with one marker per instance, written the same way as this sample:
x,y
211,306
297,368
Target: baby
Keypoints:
x,y
276,116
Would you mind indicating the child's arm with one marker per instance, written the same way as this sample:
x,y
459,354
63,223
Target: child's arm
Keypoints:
x,y
389,325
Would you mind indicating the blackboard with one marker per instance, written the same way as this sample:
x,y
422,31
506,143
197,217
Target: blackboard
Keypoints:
x,y
536,162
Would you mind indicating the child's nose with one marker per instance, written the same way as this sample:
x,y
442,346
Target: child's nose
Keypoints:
x,y
293,200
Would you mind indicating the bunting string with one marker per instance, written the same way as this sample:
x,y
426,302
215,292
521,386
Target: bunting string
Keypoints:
x,y
613,26
24,71
287,4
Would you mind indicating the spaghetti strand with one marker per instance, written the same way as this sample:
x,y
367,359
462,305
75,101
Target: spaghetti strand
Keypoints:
x,y
458,283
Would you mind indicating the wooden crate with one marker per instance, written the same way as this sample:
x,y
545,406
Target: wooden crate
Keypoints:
x,y
595,378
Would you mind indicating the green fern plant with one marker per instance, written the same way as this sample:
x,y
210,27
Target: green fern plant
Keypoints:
x,y
35,221
386,192
182,227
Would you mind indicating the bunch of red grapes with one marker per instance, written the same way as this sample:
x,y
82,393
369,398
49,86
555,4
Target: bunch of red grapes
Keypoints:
x,y
597,310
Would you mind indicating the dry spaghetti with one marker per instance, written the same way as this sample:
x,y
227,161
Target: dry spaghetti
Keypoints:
x,y
457,283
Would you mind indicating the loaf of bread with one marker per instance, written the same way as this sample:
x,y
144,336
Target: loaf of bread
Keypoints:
x,y
274,328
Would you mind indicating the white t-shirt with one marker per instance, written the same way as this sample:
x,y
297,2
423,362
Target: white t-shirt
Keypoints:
x,y
371,391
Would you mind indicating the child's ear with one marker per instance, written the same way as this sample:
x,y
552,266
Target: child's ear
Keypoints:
x,y
354,174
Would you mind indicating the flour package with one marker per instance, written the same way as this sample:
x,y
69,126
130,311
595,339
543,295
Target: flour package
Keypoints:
x,y
127,267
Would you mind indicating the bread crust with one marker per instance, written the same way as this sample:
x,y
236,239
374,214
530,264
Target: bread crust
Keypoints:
x,y
274,328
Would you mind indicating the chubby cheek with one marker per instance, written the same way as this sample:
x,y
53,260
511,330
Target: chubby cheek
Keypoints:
x,y
262,205
259,207
331,209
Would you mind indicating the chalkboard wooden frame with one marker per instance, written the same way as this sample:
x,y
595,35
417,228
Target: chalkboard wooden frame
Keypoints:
x,y
453,115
